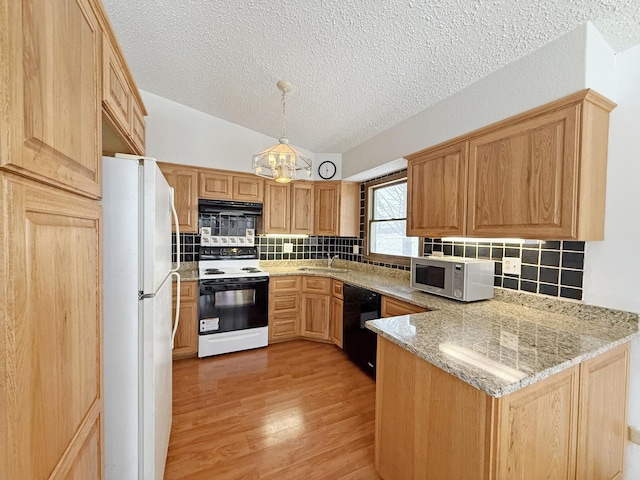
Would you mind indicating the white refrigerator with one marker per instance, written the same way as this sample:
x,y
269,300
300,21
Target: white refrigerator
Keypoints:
x,y
138,325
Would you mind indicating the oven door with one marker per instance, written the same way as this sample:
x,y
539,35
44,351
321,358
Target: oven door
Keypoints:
x,y
227,305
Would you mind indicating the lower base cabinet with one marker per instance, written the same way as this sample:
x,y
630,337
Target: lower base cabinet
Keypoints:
x,y
431,425
186,340
337,304
316,308
284,308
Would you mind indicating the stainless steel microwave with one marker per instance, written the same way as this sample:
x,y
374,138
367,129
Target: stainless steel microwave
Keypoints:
x,y
464,279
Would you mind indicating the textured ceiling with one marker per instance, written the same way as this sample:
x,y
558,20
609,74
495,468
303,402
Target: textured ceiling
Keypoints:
x,y
358,67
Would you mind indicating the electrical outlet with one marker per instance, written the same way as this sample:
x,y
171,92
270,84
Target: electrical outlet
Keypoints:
x,y
287,247
511,265
356,249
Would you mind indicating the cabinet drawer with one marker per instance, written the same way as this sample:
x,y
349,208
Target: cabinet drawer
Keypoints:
x,y
283,327
336,289
284,284
392,307
284,303
316,285
188,290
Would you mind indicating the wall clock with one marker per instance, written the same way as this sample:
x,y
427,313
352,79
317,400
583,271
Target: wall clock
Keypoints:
x,y
327,170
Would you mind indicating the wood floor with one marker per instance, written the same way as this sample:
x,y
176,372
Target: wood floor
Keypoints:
x,y
296,410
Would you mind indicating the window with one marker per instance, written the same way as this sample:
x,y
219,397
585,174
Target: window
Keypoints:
x,y
386,211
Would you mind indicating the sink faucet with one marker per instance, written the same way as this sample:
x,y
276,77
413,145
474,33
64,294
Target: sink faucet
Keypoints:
x,y
330,259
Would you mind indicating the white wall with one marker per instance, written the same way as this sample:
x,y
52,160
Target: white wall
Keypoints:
x,y
551,72
611,267
179,134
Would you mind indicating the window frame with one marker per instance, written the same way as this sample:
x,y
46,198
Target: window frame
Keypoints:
x,y
369,187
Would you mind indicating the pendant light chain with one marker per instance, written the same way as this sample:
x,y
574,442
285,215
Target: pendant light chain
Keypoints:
x,y
284,112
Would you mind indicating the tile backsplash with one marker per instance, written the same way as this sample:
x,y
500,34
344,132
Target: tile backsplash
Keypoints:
x,y
554,268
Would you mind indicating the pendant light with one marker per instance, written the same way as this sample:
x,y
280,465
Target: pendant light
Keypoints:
x,y
282,161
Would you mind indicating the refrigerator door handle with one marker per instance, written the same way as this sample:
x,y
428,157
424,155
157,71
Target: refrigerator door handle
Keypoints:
x,y
175,220
177,319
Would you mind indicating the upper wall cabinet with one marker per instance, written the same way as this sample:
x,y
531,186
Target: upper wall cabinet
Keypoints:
x,y
221,185
445,168
184,181
541,175
337,209
51,134
123,126
288,207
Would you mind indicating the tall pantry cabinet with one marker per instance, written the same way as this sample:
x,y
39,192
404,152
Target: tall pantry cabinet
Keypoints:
x,y
51,399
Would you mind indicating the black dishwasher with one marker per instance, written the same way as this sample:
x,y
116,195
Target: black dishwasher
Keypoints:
x,y
359,343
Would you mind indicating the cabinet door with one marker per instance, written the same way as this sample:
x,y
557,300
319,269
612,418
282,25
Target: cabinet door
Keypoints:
x,y
186,340
184,182
326,208
138,127
436,192
523,179
336,321
315,316
50,121
392,307
248,188
603,415
116,94
275,214
51,322
302,207
528,419
215,185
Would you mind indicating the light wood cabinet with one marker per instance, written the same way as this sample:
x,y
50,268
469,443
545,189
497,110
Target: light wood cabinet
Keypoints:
x,y
391,307
430,424
123,124
284,308
288,207
215,185
51,374
247,188
337,208
50,115
540,174
436,201
602,422
302,207
184,181
316,307
337,304
186,340
222,185
276,212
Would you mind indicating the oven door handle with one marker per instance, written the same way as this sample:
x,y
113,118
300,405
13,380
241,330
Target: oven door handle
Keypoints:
x,y
232,282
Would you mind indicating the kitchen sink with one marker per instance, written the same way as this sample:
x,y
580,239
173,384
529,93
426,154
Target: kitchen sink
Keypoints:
x,y
322,269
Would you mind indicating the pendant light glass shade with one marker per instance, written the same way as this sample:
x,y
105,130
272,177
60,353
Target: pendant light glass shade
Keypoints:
x,y
281,162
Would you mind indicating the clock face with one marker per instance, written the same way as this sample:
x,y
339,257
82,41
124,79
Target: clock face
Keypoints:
x,y
327,170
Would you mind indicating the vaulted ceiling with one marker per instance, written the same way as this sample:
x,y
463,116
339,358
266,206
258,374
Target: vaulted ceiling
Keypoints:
x,y
358,67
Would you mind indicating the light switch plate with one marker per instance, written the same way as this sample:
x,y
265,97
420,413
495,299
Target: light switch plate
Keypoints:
x,y
356,249
634,435
511,265
287,247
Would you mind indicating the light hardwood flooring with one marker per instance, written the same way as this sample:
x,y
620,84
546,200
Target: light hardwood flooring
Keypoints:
x,y
296,410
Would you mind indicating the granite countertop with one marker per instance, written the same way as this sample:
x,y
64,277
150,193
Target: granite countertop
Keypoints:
x,y
497,346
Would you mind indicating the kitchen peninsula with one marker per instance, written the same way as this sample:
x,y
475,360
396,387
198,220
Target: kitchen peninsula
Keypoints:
x,y
521,386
